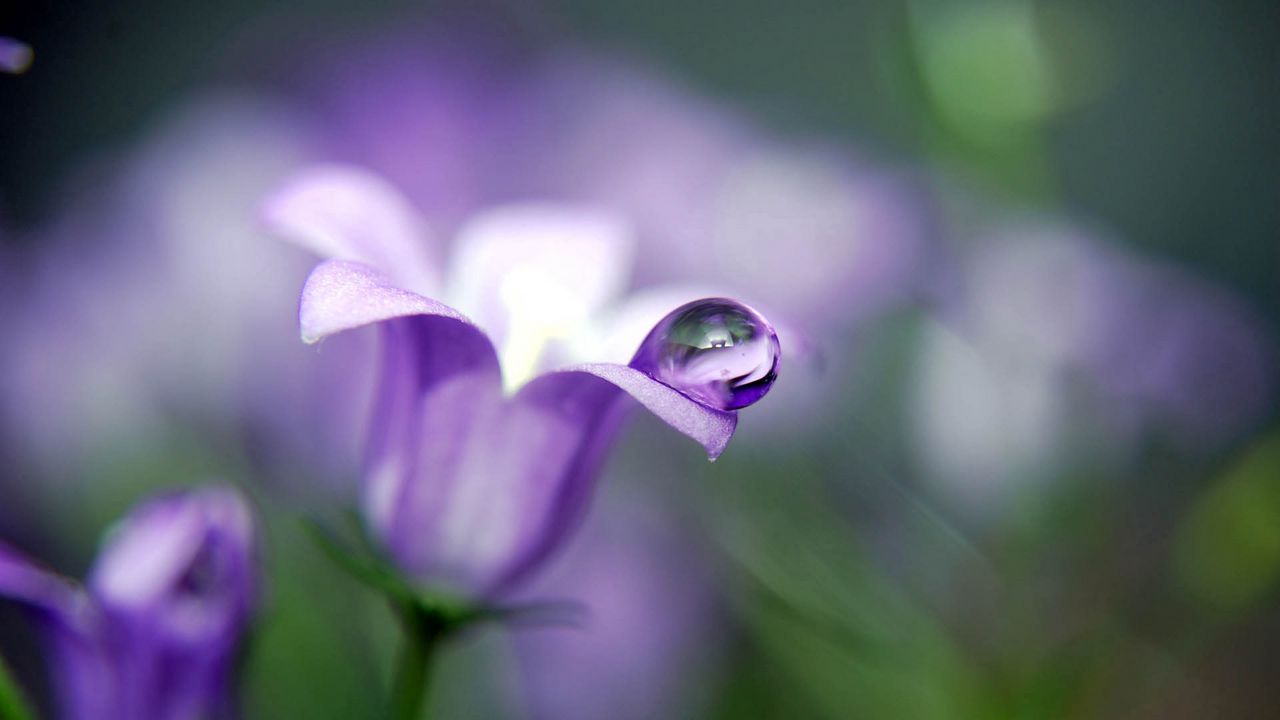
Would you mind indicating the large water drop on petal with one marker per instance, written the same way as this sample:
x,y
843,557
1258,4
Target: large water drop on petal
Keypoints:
x,y
716,351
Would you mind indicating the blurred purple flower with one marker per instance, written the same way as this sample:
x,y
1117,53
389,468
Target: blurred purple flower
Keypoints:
x,y
154,296
154,632
466,484
461,124
1045,313
15,56
435,114
1188,356
650,632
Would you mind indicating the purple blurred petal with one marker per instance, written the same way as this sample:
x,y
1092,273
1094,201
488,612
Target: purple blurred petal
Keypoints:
x,y
349,213
1192,353
182,561
534,273
1190,356
15,56
87,685
24,580
811,232
644,588
176,583
434,112
606,133
99,366
77,657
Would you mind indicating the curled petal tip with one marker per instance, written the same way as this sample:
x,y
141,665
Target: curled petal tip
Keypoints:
x,y
710,427
342,295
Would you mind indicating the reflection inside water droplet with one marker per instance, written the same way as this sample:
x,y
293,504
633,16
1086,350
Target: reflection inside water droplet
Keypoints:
x,y
716,351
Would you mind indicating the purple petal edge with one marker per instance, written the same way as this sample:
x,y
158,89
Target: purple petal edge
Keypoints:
x,y
347,213
58,600
26,581
342,295
712,428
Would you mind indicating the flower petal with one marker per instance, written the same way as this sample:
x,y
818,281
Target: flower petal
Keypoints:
x,y
712,428
614,335
553,438
510,478
647,588
23,580
77,660
427,349
175,584
579,413
342,295
348,213
535,273
854,237
181,566
15,56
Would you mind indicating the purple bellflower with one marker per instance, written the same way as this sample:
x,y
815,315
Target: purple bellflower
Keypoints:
x,y
711,195
460,123
1060,341
153,633
478,466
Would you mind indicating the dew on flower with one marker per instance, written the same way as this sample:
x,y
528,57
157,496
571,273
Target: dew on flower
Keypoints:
x,y
716,351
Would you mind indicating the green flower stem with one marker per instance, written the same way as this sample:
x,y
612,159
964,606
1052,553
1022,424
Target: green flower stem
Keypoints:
x,y
423,631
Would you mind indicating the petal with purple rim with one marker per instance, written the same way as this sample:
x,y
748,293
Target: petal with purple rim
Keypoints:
x,y
342,295
582,404
426,345
712,428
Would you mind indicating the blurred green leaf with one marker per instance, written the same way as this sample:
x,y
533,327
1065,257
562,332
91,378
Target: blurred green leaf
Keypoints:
x,y
319,647
13,702
846,634
984,65
353,553
1227,553
354,558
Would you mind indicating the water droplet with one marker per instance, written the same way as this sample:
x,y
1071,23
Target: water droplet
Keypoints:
x,y
716,351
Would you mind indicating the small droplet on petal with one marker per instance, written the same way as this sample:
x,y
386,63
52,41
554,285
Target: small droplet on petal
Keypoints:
x,y
716,351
